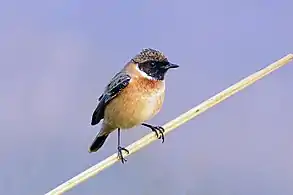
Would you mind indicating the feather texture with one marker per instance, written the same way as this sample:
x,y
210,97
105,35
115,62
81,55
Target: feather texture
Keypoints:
x,y
117,83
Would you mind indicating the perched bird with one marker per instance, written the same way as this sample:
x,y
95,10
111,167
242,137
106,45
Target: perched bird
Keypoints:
x,y
133,96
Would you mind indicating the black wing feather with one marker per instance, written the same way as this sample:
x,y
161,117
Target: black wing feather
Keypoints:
x,y
119,82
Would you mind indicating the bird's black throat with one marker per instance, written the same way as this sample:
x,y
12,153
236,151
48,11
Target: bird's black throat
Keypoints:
x,y
154,69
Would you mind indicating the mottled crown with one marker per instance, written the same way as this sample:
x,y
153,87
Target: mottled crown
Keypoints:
x,y
149,55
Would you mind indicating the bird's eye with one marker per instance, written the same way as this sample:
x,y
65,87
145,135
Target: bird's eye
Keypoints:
x,y
165,63
153,63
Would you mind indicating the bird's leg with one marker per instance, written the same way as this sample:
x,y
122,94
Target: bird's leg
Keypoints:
x,y
120,149
157,129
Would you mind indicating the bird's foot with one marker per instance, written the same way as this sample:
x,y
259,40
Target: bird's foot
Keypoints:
x,y
120,155
158,130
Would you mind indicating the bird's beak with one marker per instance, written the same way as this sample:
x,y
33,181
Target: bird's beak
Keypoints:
x,y
171,65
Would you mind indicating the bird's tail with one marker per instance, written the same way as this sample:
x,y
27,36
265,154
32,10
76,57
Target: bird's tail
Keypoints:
x,y
98,142
100,138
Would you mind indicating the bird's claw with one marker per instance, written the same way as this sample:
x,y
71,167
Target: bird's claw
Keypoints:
x,y
159,132
120,155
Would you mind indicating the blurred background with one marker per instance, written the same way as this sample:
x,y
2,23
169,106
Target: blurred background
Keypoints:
x,y
57,57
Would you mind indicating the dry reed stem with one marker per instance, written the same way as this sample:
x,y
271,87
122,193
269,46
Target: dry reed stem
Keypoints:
x,y
183,118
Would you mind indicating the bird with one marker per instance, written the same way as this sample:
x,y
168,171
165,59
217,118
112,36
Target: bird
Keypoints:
x,y
133,96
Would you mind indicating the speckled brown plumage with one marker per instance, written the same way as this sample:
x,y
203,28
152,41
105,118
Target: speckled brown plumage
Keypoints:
x,y
140,101
149,55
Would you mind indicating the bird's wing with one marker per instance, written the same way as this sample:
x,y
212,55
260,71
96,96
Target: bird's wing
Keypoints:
x,y
118,83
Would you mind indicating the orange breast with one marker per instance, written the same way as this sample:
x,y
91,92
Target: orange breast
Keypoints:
x,y
141,100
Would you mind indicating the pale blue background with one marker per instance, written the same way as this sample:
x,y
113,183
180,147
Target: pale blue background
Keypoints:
x,y
57,56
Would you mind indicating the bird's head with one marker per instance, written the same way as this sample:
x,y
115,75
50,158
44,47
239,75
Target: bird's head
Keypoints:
x,y
153,63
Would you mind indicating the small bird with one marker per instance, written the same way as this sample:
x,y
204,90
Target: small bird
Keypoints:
x,y
133,96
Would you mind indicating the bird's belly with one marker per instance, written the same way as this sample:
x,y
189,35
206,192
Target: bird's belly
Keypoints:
x,y
127,111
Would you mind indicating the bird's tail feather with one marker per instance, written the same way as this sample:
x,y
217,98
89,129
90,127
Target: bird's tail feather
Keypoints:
x,y
98,142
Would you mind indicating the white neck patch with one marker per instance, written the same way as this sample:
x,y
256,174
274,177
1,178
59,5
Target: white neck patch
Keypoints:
x,y
143,74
